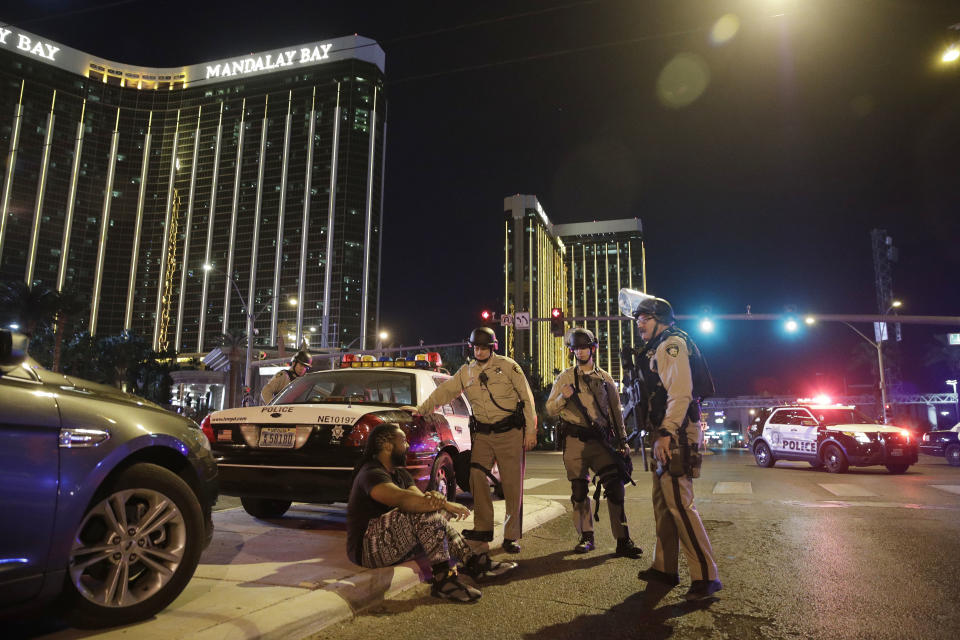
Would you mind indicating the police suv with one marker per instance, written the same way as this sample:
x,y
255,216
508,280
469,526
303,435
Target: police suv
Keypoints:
x,y
829,436
303,445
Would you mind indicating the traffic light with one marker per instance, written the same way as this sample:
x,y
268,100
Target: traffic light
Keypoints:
x,y
556,322
487,318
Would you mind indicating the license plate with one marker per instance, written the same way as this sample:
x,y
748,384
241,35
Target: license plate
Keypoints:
x,y
896,452
277,437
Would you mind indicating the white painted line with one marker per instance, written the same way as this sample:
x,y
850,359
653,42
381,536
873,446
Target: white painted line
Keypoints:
x,y
733,487
530,483
847,490
563,497
949,488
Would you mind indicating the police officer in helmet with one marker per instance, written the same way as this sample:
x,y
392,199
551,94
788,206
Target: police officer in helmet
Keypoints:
x,y
668,360
503,426
299,365
586,399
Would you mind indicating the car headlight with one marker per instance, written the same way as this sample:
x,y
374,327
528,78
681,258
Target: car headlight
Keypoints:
x,y
859,436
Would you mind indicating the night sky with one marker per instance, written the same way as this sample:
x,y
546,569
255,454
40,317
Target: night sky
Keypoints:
x,y
816,122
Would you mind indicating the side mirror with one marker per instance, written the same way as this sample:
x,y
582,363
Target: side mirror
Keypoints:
x,y
13,348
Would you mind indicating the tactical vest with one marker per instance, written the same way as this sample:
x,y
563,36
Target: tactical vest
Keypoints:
x,y
703,386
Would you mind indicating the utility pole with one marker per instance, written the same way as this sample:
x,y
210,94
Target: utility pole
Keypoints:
x,y
884,255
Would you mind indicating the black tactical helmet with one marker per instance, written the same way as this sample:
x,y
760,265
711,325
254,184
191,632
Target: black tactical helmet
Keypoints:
x,y
303,358
656,307
483,337
578,338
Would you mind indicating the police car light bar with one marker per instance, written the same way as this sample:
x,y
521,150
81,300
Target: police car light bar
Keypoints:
x,y
429,360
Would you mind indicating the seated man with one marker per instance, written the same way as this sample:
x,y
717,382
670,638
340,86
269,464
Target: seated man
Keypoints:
x,y
390,521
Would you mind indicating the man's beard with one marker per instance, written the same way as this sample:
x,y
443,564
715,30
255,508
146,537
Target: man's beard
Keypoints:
x,y
482,360
583,362
398,458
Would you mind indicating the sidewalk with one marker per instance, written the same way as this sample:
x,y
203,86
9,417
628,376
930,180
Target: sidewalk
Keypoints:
x,y
285,578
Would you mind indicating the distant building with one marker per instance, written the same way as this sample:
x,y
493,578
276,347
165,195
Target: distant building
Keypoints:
x,y
578,267
601,258
122,182
534,282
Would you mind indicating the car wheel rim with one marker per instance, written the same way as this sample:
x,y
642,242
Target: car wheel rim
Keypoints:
x,y
762,455
127,548
954,455
442,481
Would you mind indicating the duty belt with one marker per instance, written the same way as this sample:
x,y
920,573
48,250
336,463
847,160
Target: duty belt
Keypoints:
x,y
502,426
581,433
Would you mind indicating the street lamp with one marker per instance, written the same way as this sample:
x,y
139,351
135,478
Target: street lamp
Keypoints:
x,y
953,383
878,345
248,312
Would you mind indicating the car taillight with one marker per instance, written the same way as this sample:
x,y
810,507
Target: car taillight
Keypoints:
x,y
363,427
207,428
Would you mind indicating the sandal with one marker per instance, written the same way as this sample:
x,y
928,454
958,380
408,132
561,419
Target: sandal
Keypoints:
x,y
450,588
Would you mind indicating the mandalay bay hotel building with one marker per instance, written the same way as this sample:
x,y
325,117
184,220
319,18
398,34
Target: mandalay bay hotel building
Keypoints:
x,y
122,182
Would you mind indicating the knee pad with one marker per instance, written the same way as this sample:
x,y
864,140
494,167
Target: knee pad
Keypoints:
x,y
613,488
578,490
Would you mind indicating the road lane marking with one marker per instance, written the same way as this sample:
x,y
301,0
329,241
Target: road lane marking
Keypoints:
x,y
733,487
949,488
848,490
530,483
842,504
550,497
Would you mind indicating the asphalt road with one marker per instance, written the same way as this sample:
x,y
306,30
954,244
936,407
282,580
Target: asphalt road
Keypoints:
x,y
802,554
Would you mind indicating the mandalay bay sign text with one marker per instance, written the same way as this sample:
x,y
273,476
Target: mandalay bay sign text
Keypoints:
x,y
269,61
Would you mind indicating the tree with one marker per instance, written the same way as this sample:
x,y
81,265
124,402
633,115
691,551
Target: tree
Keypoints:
x,y
234,345
69,305
30,306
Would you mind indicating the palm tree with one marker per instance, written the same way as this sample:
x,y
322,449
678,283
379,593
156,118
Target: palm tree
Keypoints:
x,y
31,306
70,304
234,345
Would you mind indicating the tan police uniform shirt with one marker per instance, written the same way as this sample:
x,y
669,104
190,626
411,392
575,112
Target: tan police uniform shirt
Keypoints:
x,y
505,382
671,362
276,384
595,385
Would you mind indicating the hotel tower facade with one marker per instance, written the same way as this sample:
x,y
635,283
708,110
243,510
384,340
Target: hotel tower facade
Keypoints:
x,y
172,197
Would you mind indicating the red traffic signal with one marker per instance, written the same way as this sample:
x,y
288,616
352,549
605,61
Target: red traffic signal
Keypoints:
x,y
487,317
556,322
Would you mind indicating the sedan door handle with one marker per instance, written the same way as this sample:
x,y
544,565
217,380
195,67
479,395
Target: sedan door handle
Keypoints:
x,y
794,429
458,429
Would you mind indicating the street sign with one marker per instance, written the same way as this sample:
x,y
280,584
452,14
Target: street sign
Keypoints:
x,y
880,331
506,320
953,338
521,320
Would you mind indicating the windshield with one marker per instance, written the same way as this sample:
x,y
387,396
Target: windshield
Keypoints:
x,y
828,417
349,386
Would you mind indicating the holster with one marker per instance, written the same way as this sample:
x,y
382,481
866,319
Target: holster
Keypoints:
x,y
685,460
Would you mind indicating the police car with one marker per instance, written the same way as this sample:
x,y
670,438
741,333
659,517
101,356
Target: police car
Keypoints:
x,y
302,446
829,436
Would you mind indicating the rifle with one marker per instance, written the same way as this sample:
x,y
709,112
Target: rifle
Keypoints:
x,y
636,406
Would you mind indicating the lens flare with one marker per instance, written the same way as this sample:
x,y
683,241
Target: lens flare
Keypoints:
x,y
683,80
724,29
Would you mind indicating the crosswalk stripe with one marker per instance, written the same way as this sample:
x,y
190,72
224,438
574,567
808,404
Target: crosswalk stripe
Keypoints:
x,y
733,487
530,483
949,488
847,490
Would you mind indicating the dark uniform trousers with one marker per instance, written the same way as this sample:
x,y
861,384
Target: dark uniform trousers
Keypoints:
x,y
679,528
578,458
506,449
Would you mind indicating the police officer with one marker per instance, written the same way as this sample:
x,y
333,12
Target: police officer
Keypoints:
x,y
587,440
503,426
299,365
674,417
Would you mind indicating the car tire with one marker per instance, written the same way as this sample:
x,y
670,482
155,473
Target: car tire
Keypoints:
x,y
816,464
833,459
443,478
763,455
952,454
148,553
897,468
265,508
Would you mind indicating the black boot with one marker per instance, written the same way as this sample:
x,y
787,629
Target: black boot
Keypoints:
x,y
586,543
627,549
